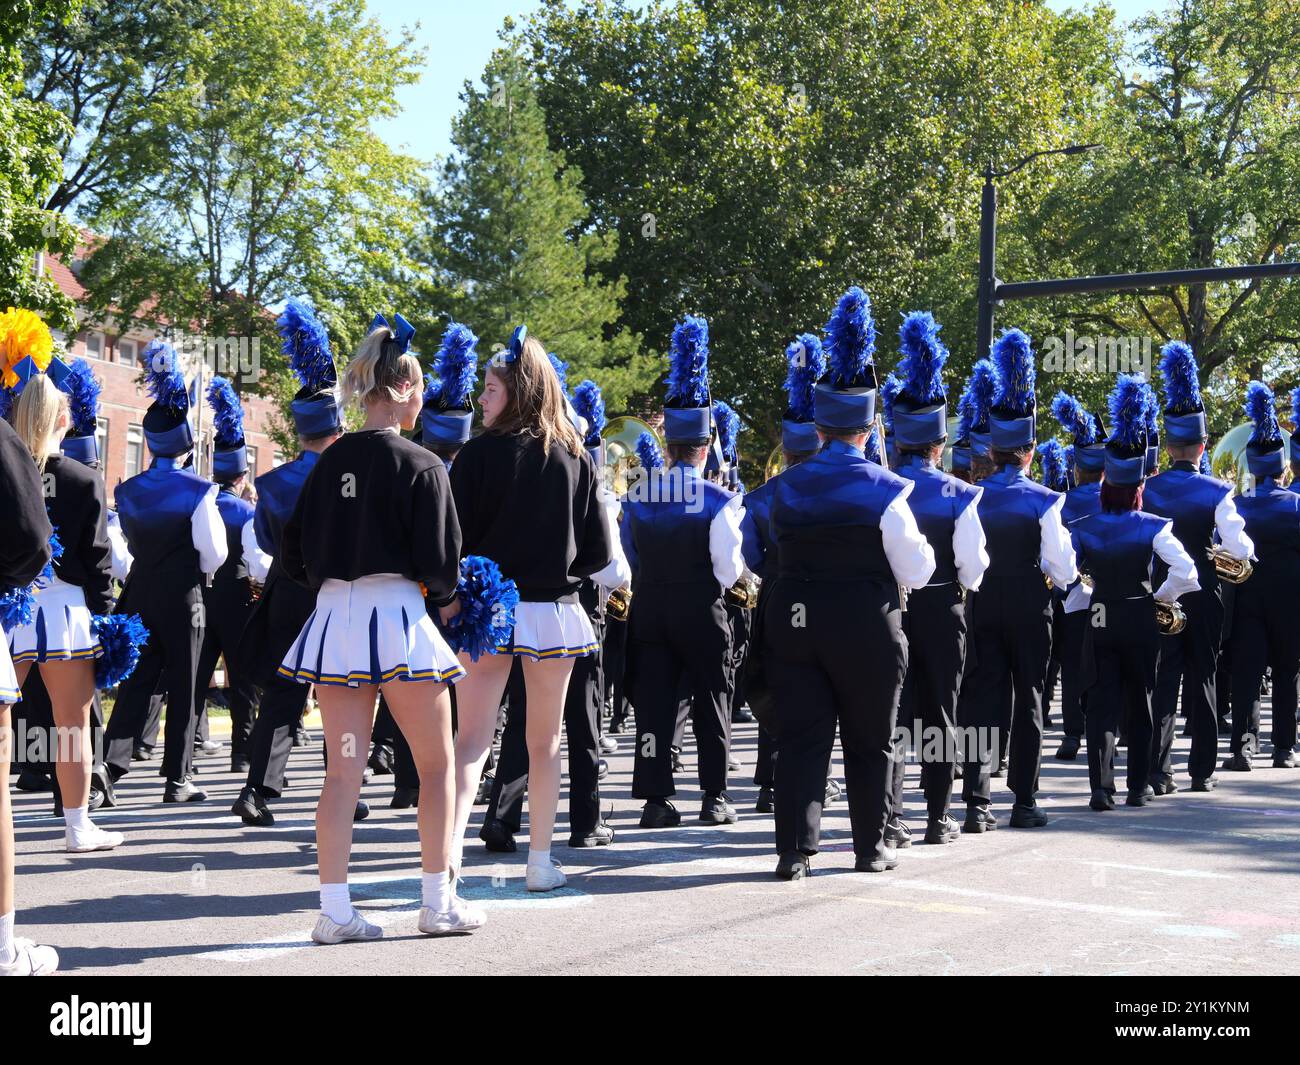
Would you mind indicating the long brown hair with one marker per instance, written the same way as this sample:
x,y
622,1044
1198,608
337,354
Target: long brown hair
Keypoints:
x,y
534,401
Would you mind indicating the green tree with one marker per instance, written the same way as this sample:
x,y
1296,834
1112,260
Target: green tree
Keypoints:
x,y
509,241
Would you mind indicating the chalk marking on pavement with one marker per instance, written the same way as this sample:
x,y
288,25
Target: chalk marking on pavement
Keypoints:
x,y
1195,874
1027,900
1195,931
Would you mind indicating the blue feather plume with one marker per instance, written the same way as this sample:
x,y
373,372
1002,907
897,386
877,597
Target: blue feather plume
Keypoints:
x,y
977,400
227,413
1261,409
561,369
163,377
120,636
1295,408
1075,419
1182,379
83,398
1130,404
890,388
589,402
728,423
850,338
432,389
647,451
806,364
688,363
1153,413
1052,456
872,450
456,366
923,359
1204,467
1014,359
307,346
487,608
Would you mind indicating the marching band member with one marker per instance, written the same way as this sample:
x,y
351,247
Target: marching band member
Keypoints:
x,y
1116,546
681,536
947,513
1200,507
1264,633
739,618
1056,476
375,524
834,648
528,497
177,538
1011,617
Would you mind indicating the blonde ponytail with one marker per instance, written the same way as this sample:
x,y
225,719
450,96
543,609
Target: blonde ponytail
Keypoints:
x,y
36,417
380,370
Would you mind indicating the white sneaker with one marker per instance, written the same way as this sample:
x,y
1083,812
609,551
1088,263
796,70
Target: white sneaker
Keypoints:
x,y
545,877
32,960
94,838
462,917
328,930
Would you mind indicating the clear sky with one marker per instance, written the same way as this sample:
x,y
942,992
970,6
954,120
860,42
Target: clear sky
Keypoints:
x,y
459,35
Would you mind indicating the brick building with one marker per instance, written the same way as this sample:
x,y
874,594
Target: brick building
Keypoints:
x,y
115,358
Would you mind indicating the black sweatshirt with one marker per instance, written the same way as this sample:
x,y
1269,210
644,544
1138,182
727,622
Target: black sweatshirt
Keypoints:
x,y
535,514
74,494
375,503
24,525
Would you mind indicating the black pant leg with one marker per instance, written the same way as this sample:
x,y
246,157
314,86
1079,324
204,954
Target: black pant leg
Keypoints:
x,y
271,743
1249,661
1072,705
1028,636
582,731
131,710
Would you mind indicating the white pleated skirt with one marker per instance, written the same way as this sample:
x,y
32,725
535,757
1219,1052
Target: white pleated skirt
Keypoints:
x,y
60,627
9,690
370,631
551,630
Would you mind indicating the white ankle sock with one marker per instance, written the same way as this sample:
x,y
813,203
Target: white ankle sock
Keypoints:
x,y
539,857
336,902
436,891
8,955
77,818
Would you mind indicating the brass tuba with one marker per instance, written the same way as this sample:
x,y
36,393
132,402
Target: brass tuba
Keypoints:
x,y
744,593
1230,568
1170,619
619,603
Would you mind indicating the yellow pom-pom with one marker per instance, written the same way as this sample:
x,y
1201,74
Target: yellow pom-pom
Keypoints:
x,y
23,334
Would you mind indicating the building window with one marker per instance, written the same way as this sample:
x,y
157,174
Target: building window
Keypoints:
x,y
252,462
278,459
101,441
128,352
94,345
134,450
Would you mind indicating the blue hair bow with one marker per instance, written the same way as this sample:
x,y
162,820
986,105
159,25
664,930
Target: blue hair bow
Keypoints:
x,y
516,346
403,330
58,372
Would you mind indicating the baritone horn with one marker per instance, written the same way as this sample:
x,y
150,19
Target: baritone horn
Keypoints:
x,y
1230,568
619,604
1170,619
744,593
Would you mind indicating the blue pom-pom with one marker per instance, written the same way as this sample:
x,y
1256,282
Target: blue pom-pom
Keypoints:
x,y
1261,409
850,338
890,388
728,423
487,609
1014,359
561,369
227,413
16,607
923,359
455,366
688,363
163,377
307,346
1075,419
1052,456
648,453
83,389
589,402
120,636
1130,405
1182,378
806,363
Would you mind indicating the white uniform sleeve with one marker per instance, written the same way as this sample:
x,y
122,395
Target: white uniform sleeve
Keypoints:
x,y
1232,529
618,574
725,541
1182,570
120,555
910,555
1057,552
209,533
969,547
257,560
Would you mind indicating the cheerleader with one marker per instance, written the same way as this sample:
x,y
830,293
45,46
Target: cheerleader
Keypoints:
x,y
847,542
24,553
175,534
1264,633
1201,507
374,523
1117,546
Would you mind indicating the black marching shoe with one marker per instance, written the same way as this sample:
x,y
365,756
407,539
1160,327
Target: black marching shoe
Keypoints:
x,y
484,793
733,764
1101,800
362,810
943,830
301,737
183,791
252,809
717,810
405,798
659,813
1001,770
600,836
1027,815
886,861
1237,763
31,780
102,781
380,762
678,767
1164,786
897,834
239,765
1284,760
1225,726
742,715
141,753
1139,798
979,818
793,866
1208,784
602,769
497,837
1069,749
764,803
